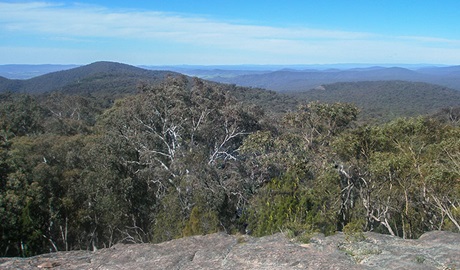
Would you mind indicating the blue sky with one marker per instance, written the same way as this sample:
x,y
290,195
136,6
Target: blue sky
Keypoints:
x,y
199,32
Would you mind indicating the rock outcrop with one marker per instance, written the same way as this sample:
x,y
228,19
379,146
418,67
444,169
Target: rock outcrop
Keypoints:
x,y
434,250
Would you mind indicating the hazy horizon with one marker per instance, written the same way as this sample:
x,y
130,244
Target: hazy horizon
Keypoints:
x,y
248,65
28,71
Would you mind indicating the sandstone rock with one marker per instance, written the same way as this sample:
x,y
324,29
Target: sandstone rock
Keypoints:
x,y
434,250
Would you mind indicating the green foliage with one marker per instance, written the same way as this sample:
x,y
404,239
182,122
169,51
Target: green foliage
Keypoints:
x,y
20,115
319,121
304,188
201,222
420,259
354,231
397,172
70,114
286,204
383,101
184,158
169,219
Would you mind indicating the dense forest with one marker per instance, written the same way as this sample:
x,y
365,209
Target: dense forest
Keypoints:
x,y
385,100
185,156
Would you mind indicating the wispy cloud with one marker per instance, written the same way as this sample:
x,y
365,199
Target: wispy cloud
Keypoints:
x,y
86,23
91,21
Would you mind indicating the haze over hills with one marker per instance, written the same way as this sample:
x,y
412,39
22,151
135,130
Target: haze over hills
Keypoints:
x,y
380,92
295,80
29,71
98,76
279,77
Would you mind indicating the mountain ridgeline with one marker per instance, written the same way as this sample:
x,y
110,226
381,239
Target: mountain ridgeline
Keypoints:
x,y
381,93
109,153
386,100
303,80
99,77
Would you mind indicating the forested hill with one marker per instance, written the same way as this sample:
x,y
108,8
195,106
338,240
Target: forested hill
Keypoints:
x,y
386,100
96,77
8,84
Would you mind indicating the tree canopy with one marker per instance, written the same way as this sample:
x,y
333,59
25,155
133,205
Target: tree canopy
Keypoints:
x,y
185,157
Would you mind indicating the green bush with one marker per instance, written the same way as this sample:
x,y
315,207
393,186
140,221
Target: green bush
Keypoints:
x,y
354,231
201,222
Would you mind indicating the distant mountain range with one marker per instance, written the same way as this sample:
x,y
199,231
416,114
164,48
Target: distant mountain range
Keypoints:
x,y
380,92
29,71
296,80
23,72
279,78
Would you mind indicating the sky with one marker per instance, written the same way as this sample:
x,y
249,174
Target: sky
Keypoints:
x,y
232,32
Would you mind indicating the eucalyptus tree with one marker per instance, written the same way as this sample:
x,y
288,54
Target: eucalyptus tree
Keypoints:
x,y
404,174
179,139
298,184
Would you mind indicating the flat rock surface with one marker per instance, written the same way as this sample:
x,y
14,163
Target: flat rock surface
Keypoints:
x,y
434,250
